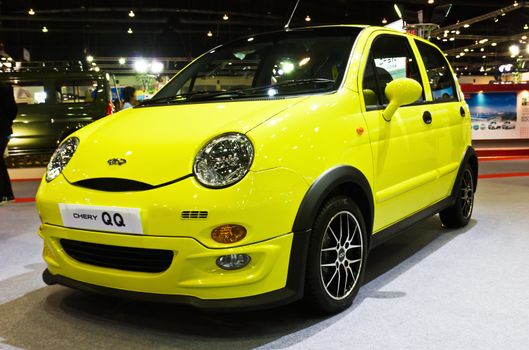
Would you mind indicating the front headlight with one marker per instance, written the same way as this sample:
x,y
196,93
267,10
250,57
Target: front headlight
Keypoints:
x,y
61,157
224,160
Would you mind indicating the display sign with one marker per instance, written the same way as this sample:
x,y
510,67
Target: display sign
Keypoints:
x,y
395,66
499,114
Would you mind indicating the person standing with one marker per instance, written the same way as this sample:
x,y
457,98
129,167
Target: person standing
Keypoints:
x,y
8,112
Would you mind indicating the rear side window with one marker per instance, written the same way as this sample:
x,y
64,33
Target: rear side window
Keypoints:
x,y
76,91
390,58
29,92
439,74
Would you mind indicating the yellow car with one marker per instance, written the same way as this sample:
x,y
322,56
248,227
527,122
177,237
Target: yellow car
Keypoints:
x,y
262,173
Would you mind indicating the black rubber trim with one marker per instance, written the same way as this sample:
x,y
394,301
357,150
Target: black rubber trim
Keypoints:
x,y
322,187
390,232
114,184
472,158
293,290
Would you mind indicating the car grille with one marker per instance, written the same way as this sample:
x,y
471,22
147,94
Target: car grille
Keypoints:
x,y
194,214
121,258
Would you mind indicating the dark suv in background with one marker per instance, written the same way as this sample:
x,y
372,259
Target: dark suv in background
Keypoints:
x,y
53,101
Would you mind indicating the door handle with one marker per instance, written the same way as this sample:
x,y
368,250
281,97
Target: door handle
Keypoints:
x,y
427,117
462,111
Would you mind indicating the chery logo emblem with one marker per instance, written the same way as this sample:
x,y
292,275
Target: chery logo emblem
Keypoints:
x,y
116,161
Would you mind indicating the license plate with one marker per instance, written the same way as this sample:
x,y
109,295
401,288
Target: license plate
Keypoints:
x,y
113,219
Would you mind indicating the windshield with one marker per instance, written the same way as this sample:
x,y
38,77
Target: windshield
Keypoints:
x,y
265,66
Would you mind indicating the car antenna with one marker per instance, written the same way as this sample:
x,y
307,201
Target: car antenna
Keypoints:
x,y
292,15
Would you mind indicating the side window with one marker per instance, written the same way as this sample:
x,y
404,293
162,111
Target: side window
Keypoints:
x,y
29,92
76,91
439,74
390,58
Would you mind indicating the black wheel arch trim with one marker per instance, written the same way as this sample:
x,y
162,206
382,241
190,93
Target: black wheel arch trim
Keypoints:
x,y
324,185
471,158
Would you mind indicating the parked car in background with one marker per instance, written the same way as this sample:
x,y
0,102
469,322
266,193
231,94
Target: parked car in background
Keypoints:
x,y
508,125
53,101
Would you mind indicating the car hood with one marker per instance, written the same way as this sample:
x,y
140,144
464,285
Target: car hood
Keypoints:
x,y
159,144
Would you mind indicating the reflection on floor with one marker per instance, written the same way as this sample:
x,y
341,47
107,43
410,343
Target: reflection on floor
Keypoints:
x,y
429,288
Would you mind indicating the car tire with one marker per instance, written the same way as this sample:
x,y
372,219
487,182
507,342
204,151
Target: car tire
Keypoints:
x,y
459,214
337,256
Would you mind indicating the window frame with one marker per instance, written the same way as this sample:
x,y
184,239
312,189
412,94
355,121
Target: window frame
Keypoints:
x,y
59,83
418,60
457,94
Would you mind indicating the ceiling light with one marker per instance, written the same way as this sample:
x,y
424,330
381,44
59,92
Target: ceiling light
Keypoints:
x,y
97,69
430,1
397,10
524,37
514,50
482,49
458,56
484,56
452,39
225,17
122,60
466,26
44,29
210,34
156,67
493,44
457,32
89,58
515,4
526,26
131,14
130,31
31,12
496,20
384,20
307,19
141,66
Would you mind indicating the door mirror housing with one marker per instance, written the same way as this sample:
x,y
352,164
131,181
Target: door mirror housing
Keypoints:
x,y
400,92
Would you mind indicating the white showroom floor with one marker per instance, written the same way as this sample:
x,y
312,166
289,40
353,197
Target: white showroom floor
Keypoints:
x,y
429,288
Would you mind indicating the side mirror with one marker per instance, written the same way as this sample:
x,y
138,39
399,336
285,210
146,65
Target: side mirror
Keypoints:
x,y
400,92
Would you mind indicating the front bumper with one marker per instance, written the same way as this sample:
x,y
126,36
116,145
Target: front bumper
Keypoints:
x,y
273,277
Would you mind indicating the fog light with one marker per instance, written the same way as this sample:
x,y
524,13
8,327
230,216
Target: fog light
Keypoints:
x,y
228,233
233,261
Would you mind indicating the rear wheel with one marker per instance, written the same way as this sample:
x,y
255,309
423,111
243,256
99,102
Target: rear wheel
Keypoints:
x,y
458,215
337,256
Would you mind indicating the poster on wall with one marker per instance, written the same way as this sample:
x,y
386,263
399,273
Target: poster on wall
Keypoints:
x,y
499,115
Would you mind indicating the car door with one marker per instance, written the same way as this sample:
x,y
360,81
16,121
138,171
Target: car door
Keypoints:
x,y
450,114
404,148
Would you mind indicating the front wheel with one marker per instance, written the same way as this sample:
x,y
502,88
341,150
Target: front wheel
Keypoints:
x,y
458,215
337,256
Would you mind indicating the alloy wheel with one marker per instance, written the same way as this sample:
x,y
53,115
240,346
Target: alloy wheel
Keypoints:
x,y
342,251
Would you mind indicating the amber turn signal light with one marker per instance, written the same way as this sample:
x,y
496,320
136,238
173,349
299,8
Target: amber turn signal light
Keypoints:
x,y
228,233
